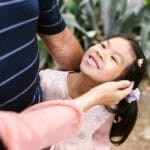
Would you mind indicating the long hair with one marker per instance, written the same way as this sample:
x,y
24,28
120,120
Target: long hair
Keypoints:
x,y
125,113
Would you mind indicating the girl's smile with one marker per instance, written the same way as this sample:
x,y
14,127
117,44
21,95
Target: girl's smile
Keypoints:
x,y
94,62
107,60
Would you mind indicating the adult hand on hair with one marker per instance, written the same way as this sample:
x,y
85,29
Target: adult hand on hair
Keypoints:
x,y
106,94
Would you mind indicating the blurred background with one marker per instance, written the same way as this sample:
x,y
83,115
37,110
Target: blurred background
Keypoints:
x,y
93,20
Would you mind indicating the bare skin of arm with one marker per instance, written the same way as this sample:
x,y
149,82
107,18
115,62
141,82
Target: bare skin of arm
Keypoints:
x,y
64,48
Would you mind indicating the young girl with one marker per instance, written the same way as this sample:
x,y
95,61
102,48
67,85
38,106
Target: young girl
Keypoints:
x,y
26,129
116,58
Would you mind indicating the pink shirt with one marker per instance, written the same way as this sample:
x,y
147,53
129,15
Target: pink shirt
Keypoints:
x,y
94,133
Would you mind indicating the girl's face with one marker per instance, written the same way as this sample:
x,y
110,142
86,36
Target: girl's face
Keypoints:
x,y
107,60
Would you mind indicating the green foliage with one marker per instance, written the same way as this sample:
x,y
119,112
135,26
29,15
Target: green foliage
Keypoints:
x,y
146,2
93,20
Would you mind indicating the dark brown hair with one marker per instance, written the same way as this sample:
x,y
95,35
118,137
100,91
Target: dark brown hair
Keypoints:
x,y
2,145
125,113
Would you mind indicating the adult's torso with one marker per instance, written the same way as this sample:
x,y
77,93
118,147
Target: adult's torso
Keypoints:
x,y
18,53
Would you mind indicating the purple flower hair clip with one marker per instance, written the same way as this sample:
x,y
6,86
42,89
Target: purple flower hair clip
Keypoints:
x,y
133,96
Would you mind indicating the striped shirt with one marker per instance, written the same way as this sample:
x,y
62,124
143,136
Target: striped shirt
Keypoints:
x,y
20,20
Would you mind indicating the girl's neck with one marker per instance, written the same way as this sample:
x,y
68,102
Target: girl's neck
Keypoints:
x,y
78,84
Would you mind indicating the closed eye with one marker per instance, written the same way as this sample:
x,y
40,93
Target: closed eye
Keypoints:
x,y
103,45
114,59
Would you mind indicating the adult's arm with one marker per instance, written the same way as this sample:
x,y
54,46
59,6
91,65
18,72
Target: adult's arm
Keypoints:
x,y
64,48
60,41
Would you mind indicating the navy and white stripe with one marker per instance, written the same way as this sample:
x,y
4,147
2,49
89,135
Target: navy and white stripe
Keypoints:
x,y
55,23
19,61
4,3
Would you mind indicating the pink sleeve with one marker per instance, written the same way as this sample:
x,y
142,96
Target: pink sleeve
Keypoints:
x,y
40,126
101,136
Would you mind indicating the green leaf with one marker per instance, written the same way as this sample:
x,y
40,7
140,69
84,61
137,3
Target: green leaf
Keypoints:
x,y
146,2
72,22
72,6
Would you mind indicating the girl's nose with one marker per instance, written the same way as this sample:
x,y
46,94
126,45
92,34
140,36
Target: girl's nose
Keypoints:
x,y
104,54
99,55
